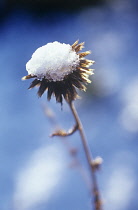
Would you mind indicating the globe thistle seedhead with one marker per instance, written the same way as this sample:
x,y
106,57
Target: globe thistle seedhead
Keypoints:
x,y
59,69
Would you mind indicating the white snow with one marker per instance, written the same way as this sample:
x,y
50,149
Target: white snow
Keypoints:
x,y
53,61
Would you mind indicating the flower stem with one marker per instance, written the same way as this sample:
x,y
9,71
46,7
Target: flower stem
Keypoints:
x,y
90,160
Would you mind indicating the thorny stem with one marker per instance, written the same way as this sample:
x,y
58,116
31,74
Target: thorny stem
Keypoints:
x,y
95,190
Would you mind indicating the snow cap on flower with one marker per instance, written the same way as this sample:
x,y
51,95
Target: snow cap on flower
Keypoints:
x,y
53,61
60,69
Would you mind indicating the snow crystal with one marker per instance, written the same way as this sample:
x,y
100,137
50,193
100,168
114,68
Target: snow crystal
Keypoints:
x,y
53,61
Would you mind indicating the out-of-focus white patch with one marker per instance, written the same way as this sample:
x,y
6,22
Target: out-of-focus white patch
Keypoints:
x,y
108,83
37,181
119,189
129,118
120,184
109,45
129,115
107,77
53,61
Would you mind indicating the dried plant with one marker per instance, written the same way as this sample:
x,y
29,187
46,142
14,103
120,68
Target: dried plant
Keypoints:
x,y
60,69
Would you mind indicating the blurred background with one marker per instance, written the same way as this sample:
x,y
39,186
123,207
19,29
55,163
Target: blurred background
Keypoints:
x,y
37,172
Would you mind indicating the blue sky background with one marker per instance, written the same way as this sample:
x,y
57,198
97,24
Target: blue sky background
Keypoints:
x,y
35,171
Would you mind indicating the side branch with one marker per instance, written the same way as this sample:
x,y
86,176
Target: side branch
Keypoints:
x,y
63,133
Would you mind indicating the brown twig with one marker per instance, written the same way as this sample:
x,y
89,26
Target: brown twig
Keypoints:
x,y
71,149
90,160
65,133
93,164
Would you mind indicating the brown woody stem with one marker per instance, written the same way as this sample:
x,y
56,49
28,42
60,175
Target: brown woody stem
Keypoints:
x,y
95,190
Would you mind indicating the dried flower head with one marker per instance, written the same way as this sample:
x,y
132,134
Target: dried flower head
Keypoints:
x,y
59,69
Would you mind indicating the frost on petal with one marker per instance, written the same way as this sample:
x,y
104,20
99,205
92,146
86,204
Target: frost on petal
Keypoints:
x,y
53,61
